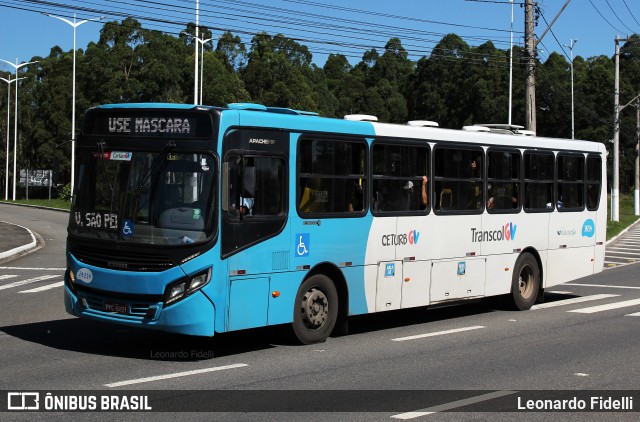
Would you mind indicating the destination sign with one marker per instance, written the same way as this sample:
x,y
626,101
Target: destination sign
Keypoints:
x,y
150,125
96,220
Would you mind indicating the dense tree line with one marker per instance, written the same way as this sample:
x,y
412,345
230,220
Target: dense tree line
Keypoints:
x,y
456,85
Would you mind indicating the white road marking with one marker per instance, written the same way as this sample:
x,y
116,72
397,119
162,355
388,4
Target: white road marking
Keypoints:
x,y
622,248
623,253
619,257
571,301
7,276
34,269
635,314
27,281
607,307
175,375
452,405
438,333
558,292
22,248
604,285
43,288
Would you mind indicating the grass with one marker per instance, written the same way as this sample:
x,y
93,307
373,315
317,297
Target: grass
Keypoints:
x,y
627,216
54,203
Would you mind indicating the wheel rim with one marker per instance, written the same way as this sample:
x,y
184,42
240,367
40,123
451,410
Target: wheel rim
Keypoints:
x,y
526,281
315,308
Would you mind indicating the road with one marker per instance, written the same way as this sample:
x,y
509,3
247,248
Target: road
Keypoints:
x,y
584,337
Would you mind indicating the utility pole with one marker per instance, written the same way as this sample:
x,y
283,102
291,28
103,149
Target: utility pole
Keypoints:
x,y
615,188
636,192
531,49
530,85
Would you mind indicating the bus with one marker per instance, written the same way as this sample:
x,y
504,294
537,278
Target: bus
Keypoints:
x,y
201,220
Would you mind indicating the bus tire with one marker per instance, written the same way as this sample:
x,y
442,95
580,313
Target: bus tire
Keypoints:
x,y
525,282
316,310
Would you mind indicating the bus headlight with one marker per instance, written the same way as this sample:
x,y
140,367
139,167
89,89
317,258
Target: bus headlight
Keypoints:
x,y
72,280
183,288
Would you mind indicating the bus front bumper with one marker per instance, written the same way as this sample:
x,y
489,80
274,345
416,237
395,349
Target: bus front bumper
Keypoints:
x,y
193,315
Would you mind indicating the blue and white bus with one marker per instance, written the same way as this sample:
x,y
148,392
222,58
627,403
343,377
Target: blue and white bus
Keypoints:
x,y
202,220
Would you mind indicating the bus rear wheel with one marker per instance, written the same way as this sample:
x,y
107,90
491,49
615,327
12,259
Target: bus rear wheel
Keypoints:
x,y
525,282
316,310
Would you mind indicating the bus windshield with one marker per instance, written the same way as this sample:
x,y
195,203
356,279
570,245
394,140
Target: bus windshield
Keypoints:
x,y
156,198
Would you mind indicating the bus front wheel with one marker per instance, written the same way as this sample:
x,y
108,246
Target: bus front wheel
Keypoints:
x,y
316,310
525,282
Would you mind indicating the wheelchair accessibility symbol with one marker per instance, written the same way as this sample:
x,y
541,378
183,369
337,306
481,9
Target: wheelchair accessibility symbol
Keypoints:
x,y
302,244
127,228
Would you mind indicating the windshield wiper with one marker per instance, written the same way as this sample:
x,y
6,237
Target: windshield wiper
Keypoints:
x,y
157,164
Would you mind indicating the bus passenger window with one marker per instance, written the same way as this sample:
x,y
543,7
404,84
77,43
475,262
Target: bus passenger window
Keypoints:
x,y
400,178
458,179
331,176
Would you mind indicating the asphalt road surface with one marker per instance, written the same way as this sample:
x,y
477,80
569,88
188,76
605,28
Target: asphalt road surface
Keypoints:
x,y
408,365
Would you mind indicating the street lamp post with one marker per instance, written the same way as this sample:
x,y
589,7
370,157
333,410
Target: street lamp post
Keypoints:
x,y
573,130
6,171
511,65
75,24
195,71
15,134
202,43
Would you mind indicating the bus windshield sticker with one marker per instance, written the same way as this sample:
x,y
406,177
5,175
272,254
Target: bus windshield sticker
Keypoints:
x,y
303,241
120,156
127,228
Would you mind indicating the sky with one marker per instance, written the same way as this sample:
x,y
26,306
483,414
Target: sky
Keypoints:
x,y
327,26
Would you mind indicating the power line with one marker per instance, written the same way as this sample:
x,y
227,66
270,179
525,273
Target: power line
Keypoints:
x,y
630,12
170,20
618,17
605,19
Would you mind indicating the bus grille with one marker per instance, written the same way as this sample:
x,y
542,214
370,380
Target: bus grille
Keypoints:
x,y
137,307
123,261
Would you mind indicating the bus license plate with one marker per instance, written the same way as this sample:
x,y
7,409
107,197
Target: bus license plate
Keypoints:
x,y
119,308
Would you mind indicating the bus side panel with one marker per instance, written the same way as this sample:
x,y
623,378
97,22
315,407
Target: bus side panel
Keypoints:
x,y
282,295
601,222
415,253
248,302
339,242
499,274
571,246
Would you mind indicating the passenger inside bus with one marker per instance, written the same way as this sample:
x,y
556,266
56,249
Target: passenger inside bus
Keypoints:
x,y
409,198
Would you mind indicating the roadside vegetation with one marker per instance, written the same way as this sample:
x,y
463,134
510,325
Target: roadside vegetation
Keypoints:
x,y
627,216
